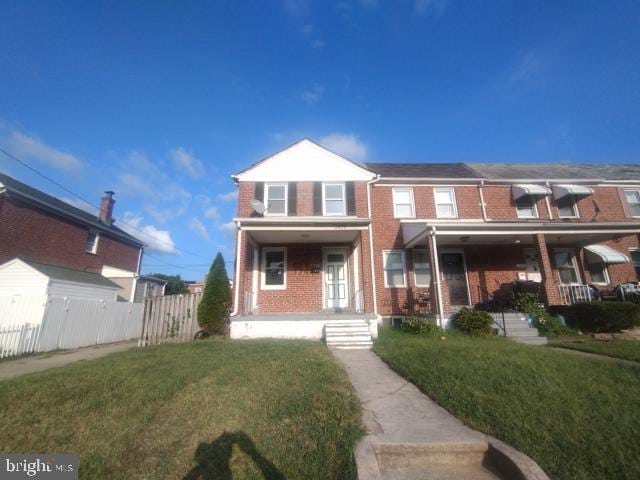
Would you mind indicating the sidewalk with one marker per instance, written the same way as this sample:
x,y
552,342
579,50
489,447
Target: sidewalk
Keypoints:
x,y
44,361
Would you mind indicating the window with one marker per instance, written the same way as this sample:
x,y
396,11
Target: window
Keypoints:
x,y
445,203
635,259
567,207
333,199
598,272
526,207
403,202
274,271
394,269
421,268
633,199
91,246
566,265
275,198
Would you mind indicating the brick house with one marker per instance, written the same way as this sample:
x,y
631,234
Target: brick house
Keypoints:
x,y
38,227
321,239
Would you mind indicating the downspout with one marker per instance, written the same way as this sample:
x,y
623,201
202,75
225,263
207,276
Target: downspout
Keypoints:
x,y
373,267
136,276
436,266
236,277
546,199
484,210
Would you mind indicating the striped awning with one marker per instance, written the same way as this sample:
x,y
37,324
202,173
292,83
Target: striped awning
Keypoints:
x,y
521,189
605,254
560,191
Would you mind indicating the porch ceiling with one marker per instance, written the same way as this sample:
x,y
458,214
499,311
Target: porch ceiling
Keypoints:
x,y
304,236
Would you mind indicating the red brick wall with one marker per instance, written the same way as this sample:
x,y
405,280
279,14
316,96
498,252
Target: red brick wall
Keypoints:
x,y
499,203
31,233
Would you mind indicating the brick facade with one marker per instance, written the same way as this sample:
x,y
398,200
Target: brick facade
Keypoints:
x,y
32,233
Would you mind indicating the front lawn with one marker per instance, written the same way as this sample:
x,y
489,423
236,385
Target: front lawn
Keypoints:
x,y
211,409
577,417
627,349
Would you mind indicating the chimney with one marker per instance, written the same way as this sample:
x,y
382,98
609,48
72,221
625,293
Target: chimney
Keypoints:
x,y
106,208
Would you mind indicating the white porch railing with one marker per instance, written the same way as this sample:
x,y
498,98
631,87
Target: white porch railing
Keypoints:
x,y
570,294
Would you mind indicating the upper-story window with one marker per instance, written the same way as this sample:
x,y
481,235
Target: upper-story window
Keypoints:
x,y
275,198
403,202
567,207
333,199
526,207
445,203
633,199
91,245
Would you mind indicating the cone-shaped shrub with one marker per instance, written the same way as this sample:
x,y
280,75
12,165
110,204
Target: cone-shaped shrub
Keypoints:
x,y
213,310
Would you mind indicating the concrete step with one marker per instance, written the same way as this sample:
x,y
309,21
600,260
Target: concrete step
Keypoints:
x,y
343,339
354,331
530,340
522,332
351,345
348,334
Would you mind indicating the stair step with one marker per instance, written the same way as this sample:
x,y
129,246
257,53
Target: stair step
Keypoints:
x,y
359,331
531,340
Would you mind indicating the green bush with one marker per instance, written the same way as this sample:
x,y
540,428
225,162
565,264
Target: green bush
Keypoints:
x,y
547,324
551,326
213,310
473,322
422,326
603,316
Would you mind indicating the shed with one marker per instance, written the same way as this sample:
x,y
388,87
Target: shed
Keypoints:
x,y
20,277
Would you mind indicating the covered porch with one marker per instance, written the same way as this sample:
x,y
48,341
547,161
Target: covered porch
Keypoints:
x,y
477,263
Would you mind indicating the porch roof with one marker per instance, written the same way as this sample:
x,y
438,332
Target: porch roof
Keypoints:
x,y
303,229
607,254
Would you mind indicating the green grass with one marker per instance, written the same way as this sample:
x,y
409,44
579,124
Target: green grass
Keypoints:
x,y
211,409
577,417
626,349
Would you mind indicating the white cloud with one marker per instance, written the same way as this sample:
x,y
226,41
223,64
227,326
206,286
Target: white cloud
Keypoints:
x,y
185,160
135,185
212,213
198,228
155,239
229,196
345,144
313,95
26,147
162,215
318,44
228,228
436,7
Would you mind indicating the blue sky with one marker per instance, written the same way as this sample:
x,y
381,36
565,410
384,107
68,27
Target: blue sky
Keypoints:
x,y
163,101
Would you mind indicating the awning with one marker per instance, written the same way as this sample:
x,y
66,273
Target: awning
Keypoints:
x,y
522,189
605,254
560,191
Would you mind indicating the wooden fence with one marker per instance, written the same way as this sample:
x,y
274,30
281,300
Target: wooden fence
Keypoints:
x,y
172,318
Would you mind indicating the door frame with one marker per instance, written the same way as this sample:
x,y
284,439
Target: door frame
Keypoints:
x,y
464,265
344,251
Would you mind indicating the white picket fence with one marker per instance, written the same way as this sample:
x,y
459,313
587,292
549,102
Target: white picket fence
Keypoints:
x,y
173,318
64,323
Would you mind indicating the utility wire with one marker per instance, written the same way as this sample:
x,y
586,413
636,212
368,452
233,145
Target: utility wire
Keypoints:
x,y
26,165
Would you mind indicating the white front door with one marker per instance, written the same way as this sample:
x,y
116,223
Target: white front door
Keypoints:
x,y
533,267
336,285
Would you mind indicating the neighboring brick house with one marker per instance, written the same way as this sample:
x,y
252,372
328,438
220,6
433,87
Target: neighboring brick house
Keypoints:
x,y
390,239
38,227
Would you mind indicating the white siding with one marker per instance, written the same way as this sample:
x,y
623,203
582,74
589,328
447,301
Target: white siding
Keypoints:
x,y
17,278
59,288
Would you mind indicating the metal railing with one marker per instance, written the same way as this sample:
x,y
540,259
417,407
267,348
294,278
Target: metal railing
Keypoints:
x,y
629,292
248,302
570,294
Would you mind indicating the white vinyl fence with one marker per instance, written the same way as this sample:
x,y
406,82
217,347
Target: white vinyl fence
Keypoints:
x,y
173,318
64,323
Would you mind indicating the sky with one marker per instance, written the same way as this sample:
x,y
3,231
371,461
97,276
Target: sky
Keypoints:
x,y
163,101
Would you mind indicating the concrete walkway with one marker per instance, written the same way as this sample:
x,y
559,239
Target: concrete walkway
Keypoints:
x,y
45,361
597,356
411,437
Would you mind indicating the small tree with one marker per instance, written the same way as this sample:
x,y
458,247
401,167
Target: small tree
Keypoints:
x,y
216,299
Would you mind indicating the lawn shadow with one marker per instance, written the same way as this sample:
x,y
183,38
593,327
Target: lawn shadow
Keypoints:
x,y
213,459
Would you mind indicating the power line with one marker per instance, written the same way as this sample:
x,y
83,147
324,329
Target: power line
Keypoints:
x,y
26,165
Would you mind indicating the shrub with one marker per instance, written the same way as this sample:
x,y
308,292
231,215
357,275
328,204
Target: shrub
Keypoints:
x,y
547,324
473,322
213,309
603,316
551,326
421,326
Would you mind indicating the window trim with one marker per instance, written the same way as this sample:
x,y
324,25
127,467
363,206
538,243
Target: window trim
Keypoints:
x,y
534,204
574,261
453,200
413,259
286,199
411,200
263,269
404,268
636,268
637,190
94,249
576,212
344,199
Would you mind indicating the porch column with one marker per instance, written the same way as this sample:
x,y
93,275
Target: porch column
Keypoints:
x,y
549,284
432,243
